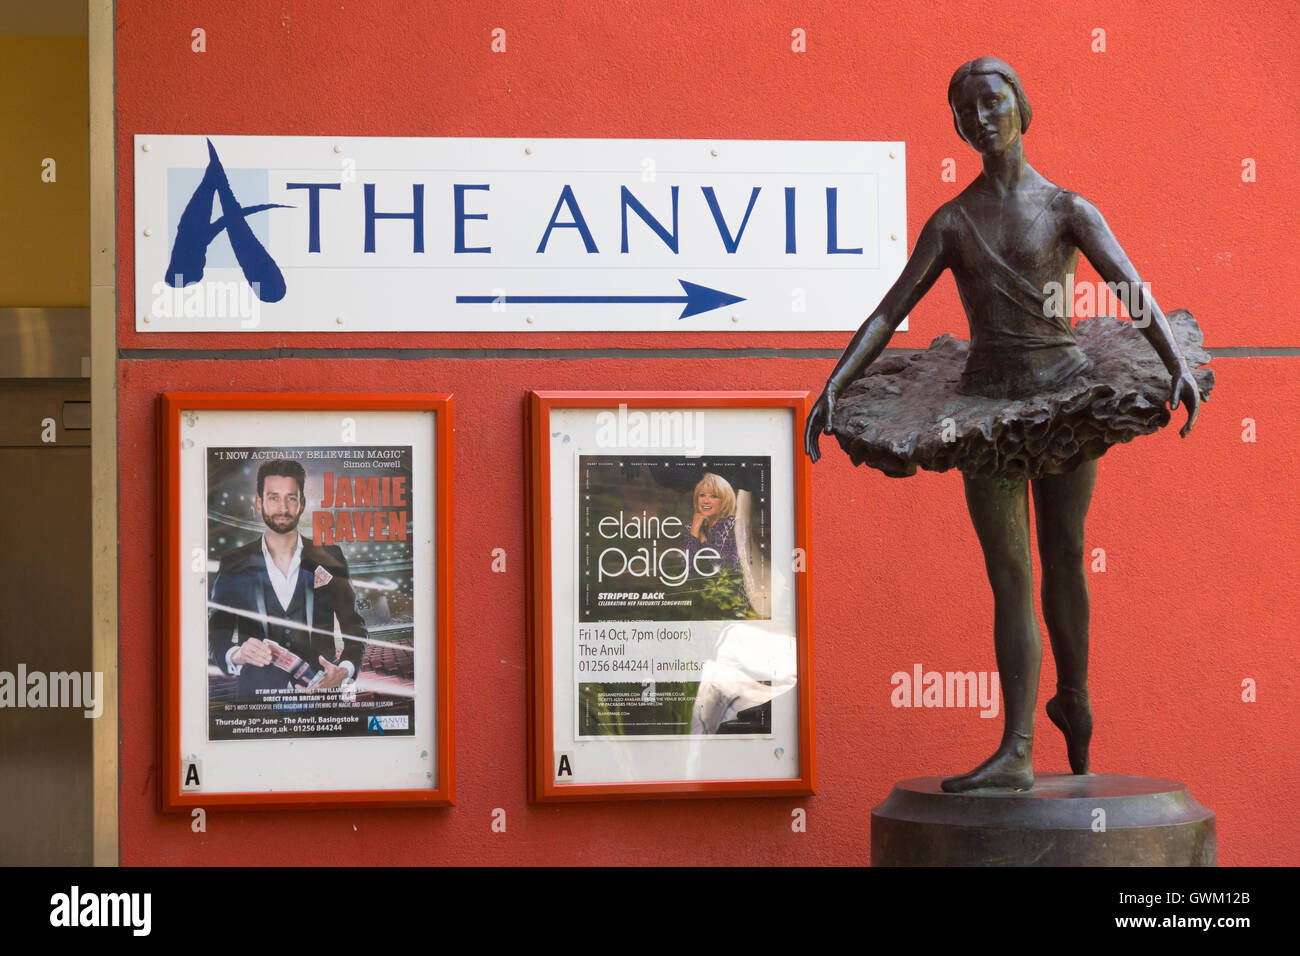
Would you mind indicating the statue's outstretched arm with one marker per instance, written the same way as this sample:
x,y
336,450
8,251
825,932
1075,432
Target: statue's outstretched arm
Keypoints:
x,y
1095,240
923,267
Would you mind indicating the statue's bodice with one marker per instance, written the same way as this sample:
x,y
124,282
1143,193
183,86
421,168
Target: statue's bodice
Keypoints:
x,y
1022,342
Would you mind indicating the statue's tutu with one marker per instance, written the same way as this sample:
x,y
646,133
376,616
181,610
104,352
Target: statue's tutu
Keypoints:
x,y
905,412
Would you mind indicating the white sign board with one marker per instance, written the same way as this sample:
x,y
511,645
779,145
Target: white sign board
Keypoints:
x,y
301,233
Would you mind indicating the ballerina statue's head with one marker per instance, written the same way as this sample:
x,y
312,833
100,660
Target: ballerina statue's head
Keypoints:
x,y
989,106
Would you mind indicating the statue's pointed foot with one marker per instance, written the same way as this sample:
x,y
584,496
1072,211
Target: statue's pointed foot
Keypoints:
x,y
1010,768
1071,711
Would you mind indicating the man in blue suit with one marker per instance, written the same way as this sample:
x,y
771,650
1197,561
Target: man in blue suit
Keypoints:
x,y
291,591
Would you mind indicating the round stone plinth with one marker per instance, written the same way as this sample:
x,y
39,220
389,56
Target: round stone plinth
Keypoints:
x,y
1065,820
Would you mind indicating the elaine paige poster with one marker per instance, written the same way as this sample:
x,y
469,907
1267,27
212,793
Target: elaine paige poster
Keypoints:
x,y
310,611
671,551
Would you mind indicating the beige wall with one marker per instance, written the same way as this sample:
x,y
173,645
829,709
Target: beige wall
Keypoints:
x,y
44,226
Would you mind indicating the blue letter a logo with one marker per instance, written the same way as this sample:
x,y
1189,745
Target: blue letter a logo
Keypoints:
x,y
196,231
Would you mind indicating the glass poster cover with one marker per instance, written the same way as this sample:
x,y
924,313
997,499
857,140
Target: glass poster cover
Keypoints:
x,y
671,644
306,594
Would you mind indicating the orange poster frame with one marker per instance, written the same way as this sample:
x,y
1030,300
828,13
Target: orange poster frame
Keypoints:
x,y
541,710
172,798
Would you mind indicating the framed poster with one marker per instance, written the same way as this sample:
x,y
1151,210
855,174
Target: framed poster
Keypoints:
x,y
670,651
305,592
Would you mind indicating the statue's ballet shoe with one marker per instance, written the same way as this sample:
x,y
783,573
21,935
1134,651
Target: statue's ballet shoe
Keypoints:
x,y
1010,768
1071,711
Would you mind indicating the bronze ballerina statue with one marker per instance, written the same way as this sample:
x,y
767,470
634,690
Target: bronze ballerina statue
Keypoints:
x,y
1026,403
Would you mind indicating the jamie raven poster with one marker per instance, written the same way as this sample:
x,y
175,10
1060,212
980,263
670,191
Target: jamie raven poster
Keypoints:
x,y
310,612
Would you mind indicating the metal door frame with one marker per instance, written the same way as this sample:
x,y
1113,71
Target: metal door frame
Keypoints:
x,y
103,454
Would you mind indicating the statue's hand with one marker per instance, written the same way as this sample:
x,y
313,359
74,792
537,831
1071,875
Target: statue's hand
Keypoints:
x,y
819,420
1184,388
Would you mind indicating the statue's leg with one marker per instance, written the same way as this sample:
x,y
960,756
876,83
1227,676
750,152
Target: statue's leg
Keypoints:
x,y
1060,510
999,509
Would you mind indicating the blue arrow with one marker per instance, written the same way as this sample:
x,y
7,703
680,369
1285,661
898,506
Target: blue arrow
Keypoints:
x,y
698,298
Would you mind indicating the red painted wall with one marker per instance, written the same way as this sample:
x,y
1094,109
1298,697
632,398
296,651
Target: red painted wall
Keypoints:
x,y
1198,593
